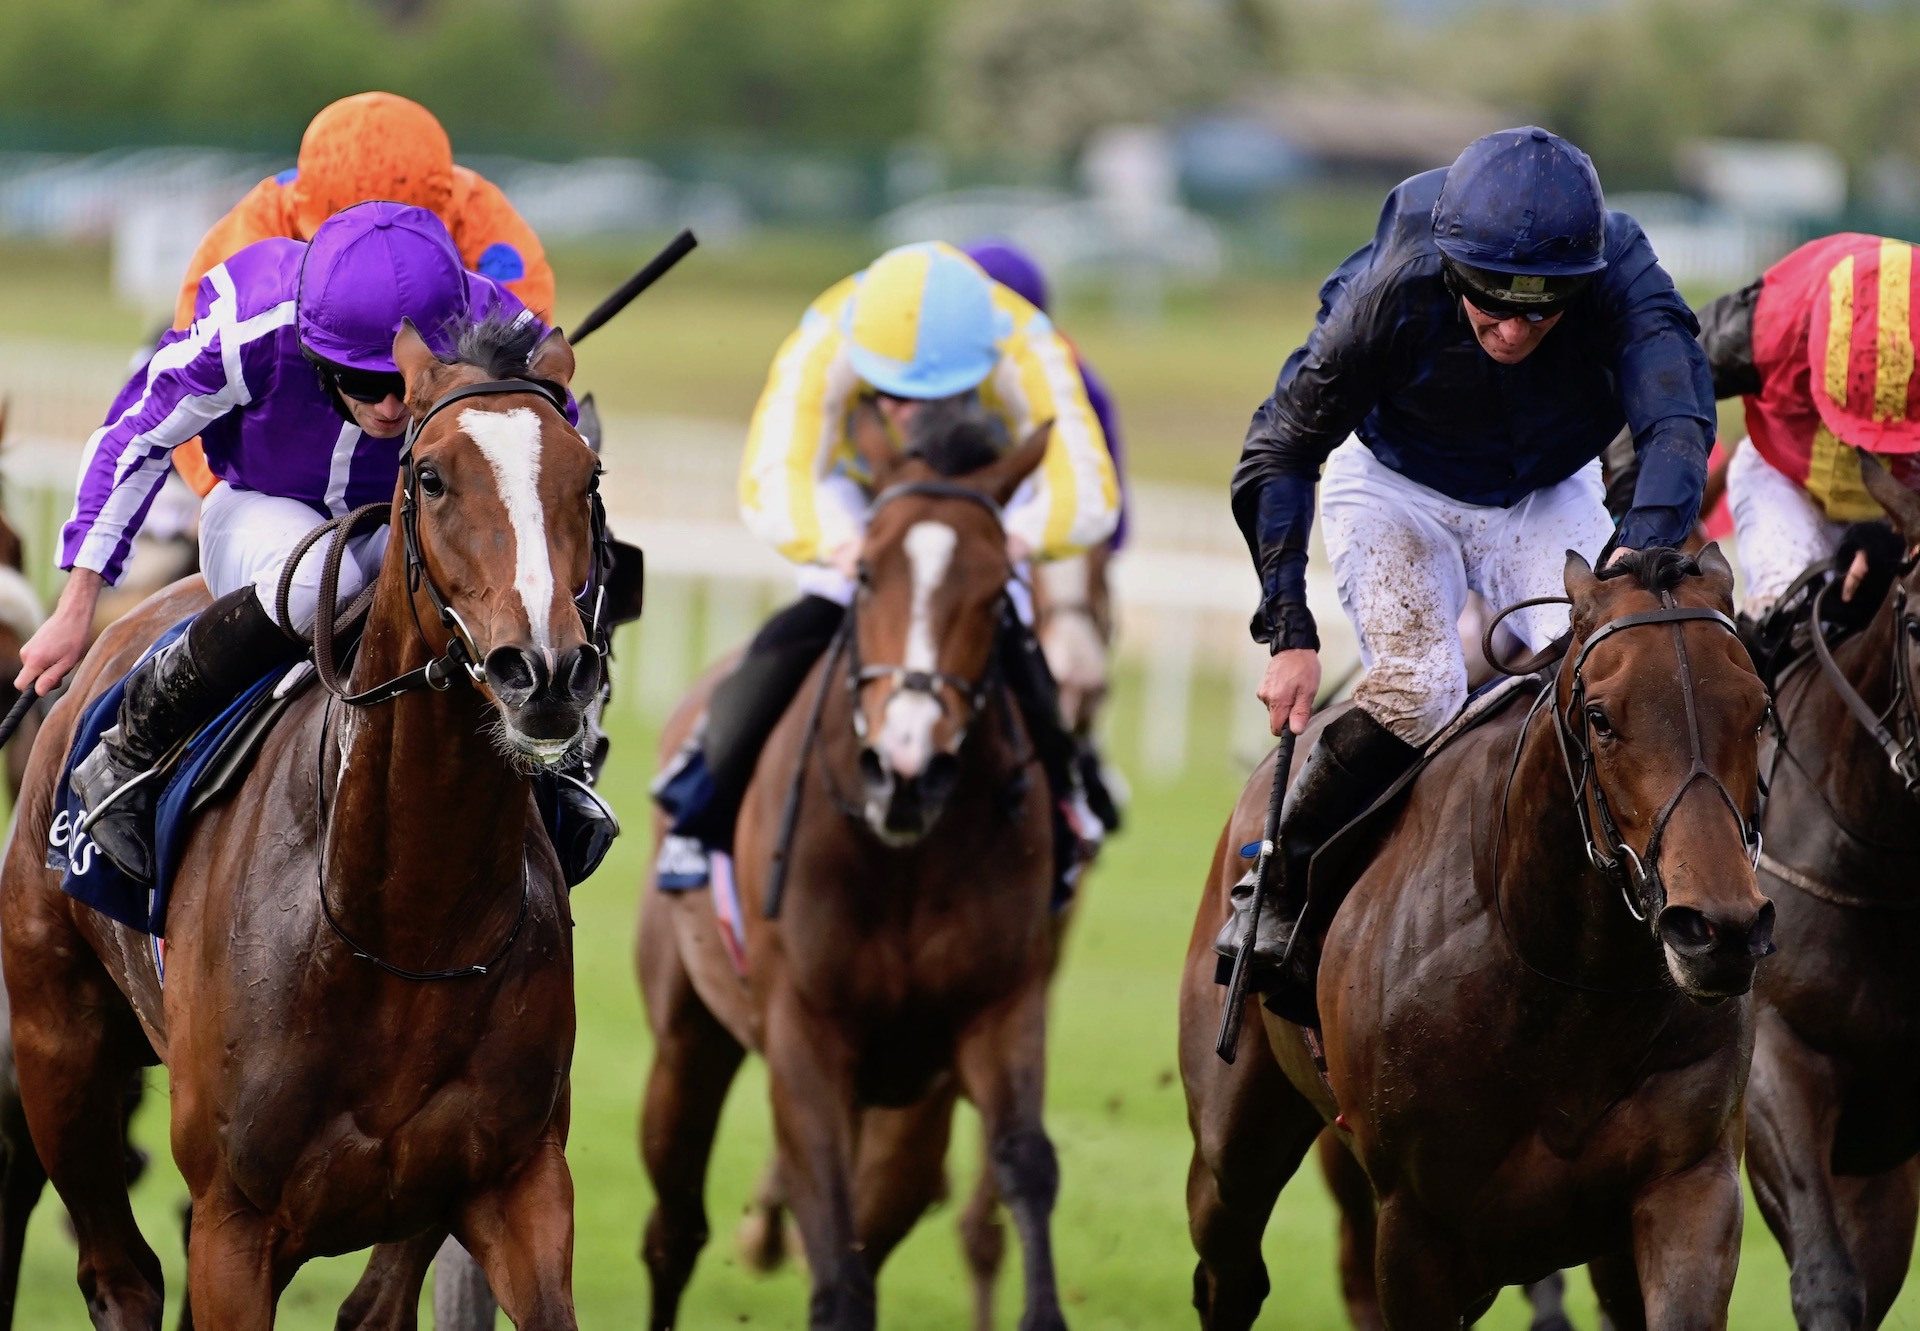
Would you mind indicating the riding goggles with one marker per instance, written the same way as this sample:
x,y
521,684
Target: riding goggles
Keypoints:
x,y
364,386
1535,297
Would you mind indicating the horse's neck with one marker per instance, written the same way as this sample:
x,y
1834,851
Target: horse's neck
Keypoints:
x,y
1562,915
426,822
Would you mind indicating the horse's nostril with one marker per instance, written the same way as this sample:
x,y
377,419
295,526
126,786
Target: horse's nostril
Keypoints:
x,y
1687,930
513,674
872,771
1760,937
942,775
578,675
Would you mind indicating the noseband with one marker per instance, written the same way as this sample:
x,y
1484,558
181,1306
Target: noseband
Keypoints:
x,y
934,684
1638,880
1897,729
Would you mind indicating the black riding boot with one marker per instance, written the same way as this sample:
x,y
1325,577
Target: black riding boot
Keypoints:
x,y
704,785
229,645
1353,764
1073,783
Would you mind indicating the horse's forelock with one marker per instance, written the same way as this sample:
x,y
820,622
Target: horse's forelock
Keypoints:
x,y
1658,568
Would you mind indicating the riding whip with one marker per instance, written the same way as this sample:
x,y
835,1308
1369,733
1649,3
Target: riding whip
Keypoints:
x,y
16,714
1227,1045
656,268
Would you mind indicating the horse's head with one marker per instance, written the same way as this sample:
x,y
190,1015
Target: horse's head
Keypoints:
x,y
504,490
1662,713
927,616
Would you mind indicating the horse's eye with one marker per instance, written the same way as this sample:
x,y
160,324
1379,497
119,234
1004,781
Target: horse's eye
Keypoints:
x,y
1598,723
430,483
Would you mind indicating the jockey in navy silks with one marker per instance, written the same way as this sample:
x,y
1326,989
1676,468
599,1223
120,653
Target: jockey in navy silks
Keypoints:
x,y
1466,370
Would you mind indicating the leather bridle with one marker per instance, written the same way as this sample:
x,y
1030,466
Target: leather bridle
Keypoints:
x,y
1897,729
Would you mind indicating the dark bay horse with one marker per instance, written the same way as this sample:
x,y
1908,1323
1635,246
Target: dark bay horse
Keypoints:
x,y
1539,1061
321,1101
1834,1110
910,958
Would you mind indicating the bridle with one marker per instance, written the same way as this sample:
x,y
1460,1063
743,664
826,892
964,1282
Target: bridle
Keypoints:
x,y
934,684
462,654
1638,880
1897,729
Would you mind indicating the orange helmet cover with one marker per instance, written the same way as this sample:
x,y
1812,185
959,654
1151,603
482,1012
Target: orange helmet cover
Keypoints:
x,y
372,145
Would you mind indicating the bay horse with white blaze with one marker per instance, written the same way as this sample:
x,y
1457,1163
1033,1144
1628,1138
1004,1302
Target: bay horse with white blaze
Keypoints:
x,y
1535,1019
1834,1113
909,958
326,1094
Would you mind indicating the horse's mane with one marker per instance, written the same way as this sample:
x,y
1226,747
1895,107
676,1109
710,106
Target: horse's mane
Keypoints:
x,y
1658,568
501,344
956,436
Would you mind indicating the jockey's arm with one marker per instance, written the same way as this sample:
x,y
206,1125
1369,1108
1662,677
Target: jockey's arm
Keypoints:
x,y
793,439
1072,500
1666,393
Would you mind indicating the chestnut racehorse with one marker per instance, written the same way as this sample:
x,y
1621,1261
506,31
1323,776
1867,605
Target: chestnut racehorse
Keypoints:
x,y
910,955
1535,1024
322,1099
1834,1136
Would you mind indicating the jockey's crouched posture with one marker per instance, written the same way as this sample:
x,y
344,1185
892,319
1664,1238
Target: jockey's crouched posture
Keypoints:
x,y
1465,372
1821,347
934,344
287,375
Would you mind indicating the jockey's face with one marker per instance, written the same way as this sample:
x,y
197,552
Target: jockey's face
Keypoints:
x,y
1508,341
898,411
385,419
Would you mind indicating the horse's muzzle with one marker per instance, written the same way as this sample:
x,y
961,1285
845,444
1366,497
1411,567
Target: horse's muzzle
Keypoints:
x,y
1714,955
545,705
902,809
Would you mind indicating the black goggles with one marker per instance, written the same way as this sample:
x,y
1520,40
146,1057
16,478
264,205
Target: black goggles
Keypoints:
x,y
1534,297
365,386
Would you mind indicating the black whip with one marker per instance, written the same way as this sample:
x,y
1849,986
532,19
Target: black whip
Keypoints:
x,y
1227,1045
656,268
16,714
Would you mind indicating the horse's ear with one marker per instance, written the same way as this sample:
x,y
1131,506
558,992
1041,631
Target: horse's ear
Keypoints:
x,y
416,362
873,442
552,359
1004,476
1717,572
1902,504
1580,578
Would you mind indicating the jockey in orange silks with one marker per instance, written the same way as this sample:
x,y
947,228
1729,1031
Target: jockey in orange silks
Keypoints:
x,y
373,145
1822,349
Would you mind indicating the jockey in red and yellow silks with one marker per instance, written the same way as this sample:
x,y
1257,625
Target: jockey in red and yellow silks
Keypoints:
x,y
1822,349
374,145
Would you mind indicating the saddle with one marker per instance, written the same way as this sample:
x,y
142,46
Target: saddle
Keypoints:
x,y
206,768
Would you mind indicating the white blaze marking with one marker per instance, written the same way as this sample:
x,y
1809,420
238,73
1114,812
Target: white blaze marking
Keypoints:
x,y
906,740
511,442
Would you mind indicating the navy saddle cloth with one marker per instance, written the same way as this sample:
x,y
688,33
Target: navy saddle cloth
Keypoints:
x,y
203,772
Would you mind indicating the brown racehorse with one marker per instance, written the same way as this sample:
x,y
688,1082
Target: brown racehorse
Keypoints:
x,y
1073,620
322,1103
1834,1139
1538,1061
910,957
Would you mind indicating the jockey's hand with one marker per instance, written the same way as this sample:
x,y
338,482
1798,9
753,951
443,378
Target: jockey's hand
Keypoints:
x,y
844,559
1292,681
57,645
1856,574
1018,551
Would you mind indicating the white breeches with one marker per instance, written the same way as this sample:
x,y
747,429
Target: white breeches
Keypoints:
x,y
1405,558
1777,528
246,536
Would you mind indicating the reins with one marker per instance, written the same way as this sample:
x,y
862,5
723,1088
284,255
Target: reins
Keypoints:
x,y
1642,879
1903,750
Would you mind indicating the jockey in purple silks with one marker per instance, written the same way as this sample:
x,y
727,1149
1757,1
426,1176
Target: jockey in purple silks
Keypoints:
x,y
287,376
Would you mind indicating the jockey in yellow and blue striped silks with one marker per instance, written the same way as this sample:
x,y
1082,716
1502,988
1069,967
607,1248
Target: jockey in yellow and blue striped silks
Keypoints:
x,y
922,322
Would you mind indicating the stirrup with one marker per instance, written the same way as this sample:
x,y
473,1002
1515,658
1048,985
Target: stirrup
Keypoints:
x,y
114,796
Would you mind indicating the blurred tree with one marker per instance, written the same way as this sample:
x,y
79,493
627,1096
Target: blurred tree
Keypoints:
x,y
1031,79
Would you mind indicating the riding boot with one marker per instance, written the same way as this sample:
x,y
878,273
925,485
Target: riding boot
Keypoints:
x,y
229,645
1078,827
1352,765
702,786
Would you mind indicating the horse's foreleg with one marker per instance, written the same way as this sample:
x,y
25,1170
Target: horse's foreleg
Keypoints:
x,y
1792,1113
810,1069
1353,1194
1877,1216
1420,1274
900,1170
1686,1241
232,1274
387,1298
522,1235
983,1239
21,1182
74,1043
761,1239
1002,1062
